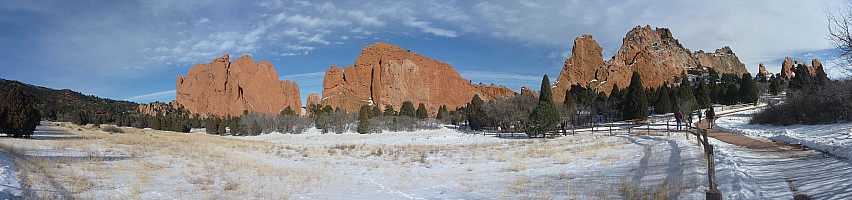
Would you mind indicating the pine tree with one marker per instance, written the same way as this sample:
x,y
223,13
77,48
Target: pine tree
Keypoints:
x,y
288,111
389,111
211,125
544,118
685,93
421,111
748,89
702,94
774,86
732,94
364,119
473,110
376,111
18,117
663,104
79,117
407,109
636,104
156,123
442,112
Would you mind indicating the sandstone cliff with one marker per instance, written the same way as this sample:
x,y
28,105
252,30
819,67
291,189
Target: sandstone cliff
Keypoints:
x,y
654,53
222,88
312,99
385,74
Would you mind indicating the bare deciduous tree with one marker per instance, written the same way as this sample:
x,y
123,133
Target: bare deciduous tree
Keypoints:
x,y
839,25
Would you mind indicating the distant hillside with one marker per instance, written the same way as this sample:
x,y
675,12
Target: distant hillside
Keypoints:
x,y
63,102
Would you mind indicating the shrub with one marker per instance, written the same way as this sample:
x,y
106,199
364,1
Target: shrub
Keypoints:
x,y
17,114
820,105
364,119
111,129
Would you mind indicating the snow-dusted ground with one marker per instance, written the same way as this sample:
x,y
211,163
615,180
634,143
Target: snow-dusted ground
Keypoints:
x,y
428,164
10,187
752,174
834,139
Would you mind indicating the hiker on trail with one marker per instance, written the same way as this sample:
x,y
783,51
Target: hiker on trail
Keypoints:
x,y
711,117
689,119
678,117
699,115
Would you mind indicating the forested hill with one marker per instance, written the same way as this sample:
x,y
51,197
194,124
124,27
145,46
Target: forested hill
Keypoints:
x,y
60,103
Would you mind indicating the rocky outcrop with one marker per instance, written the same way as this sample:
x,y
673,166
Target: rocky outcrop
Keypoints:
x,y
222,88
654,53
154,108
763,72
787,68
313,99
385,74
525,90
722,60
581,68
815,66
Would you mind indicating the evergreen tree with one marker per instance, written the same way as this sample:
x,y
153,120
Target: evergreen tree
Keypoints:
x,y
18,117
407,109
156,123
442,112
421,111
211,125
635,105
80,117
732,94
473,110
774,86
221,127
364,119
255,128
288,111
389,111
748,89
685,93
376,111
663,104
802,79
544,118
702,94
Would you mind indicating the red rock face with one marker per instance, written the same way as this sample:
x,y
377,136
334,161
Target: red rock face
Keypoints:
x,y
312,99
222,88
385,74
815,66
763,71
154,108
787,68
526,90
654,53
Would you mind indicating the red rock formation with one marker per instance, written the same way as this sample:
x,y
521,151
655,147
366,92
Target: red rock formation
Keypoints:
x,y
763,71
228,88
526,90
312,99
723,61
787,68
581,68
815,66
154,108
385,74
654,53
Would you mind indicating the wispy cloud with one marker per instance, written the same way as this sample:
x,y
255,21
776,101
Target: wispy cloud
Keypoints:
x,y
305,79
169,94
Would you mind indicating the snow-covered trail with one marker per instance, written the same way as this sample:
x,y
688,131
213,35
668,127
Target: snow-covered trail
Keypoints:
x,y
784,172
751,174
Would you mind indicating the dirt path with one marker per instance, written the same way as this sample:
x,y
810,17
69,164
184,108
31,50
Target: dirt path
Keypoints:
x,y
745,141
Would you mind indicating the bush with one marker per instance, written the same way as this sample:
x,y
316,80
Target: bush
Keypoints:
x,y
821,105
401,124
364,119
18,117
111,129
335,121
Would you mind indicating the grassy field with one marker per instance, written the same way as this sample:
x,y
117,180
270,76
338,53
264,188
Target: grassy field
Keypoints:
x,y
65,160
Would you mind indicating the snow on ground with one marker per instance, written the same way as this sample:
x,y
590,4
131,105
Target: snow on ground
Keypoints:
x,y
427,164
743,173
834,139
10,188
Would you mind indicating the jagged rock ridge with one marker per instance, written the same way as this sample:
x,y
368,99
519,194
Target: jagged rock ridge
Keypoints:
x,y
385,74
222,88
654,53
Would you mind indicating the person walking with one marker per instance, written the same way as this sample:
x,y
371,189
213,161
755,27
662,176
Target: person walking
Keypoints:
x,y
689,119
711,117
699,115
678,117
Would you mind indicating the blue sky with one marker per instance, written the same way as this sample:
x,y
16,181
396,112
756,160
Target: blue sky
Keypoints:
x,y
134,50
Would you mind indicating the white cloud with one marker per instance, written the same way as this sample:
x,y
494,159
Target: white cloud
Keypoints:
x,y
427,27
153,96
306,79
202,21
